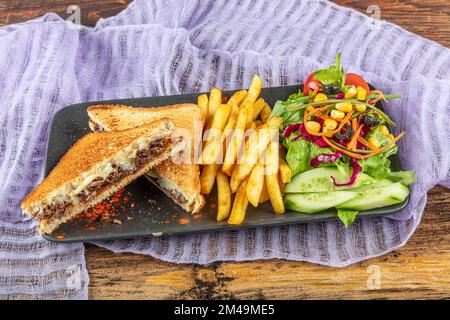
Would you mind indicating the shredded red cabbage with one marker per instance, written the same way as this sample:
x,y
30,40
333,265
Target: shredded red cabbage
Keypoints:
x,y
356,170
325,158
360,146
321,143
303,133
290,129
340,95
365,130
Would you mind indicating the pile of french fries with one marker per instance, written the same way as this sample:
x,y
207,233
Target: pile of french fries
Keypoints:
x,y
241,152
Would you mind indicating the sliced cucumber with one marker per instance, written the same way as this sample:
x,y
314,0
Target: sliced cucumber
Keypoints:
x,y
405,177
377,183
371,198
319,180
315,202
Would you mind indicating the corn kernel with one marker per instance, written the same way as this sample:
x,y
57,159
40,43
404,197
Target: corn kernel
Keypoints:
x,y
351,93
344,106
324,129
384,130
374,141
336,114
313,126
330,124
360,107
320,97
361,93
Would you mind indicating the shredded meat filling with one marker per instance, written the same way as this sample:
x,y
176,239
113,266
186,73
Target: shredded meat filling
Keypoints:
x,y
97,127
155,148
143,156
176,196
90,191
56,209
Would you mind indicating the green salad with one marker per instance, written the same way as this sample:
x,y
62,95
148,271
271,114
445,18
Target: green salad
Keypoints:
x,y
339,146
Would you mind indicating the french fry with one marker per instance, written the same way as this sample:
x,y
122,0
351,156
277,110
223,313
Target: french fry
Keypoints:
x,y
202,101
235,180
275,196
250,158
281,185
224,196
265,113
240,204
208,177
236,142
252,95
231,124
255,184
213,145
272,158
264,194
285,171
249,106
255,88
254,147
257,107
237,98
215,99
272,182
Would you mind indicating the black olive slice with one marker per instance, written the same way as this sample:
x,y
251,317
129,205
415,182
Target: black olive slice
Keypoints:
x,y
370,121
345,133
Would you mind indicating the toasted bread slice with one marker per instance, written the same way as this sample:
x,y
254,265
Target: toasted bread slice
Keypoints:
x,y
96,166
181,181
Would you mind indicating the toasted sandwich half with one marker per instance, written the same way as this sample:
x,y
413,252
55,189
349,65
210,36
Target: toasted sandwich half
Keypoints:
x,y
181,181
95,167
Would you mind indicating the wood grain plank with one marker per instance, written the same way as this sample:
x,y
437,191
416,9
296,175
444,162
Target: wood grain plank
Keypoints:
x,y
419,270
430,19
14,11
402,276
427,18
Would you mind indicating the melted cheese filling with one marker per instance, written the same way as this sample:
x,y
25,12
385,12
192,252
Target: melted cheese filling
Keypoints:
x,y
124,159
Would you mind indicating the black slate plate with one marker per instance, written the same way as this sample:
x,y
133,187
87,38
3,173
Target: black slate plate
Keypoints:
x,y
148,212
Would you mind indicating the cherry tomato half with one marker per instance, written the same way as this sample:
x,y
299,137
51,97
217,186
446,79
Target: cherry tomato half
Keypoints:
x,y
356,80
310,84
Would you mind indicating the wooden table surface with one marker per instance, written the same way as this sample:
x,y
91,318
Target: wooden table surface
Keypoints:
x,y
419,270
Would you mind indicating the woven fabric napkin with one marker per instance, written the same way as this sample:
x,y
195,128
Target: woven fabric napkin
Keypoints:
x,y
156,48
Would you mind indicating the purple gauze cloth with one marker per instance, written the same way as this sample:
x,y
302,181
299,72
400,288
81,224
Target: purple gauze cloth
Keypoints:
x,y
156,48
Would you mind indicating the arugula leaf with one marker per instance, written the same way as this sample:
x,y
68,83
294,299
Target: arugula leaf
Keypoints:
x,y
297,156
347,216
378,166
280,109
300,152
343,167
289,117
333,75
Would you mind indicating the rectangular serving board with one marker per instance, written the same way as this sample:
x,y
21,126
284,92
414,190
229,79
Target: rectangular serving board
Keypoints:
x,y
147,211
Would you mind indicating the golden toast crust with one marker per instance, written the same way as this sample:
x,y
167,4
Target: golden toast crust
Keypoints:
x,y
184,116
48,225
